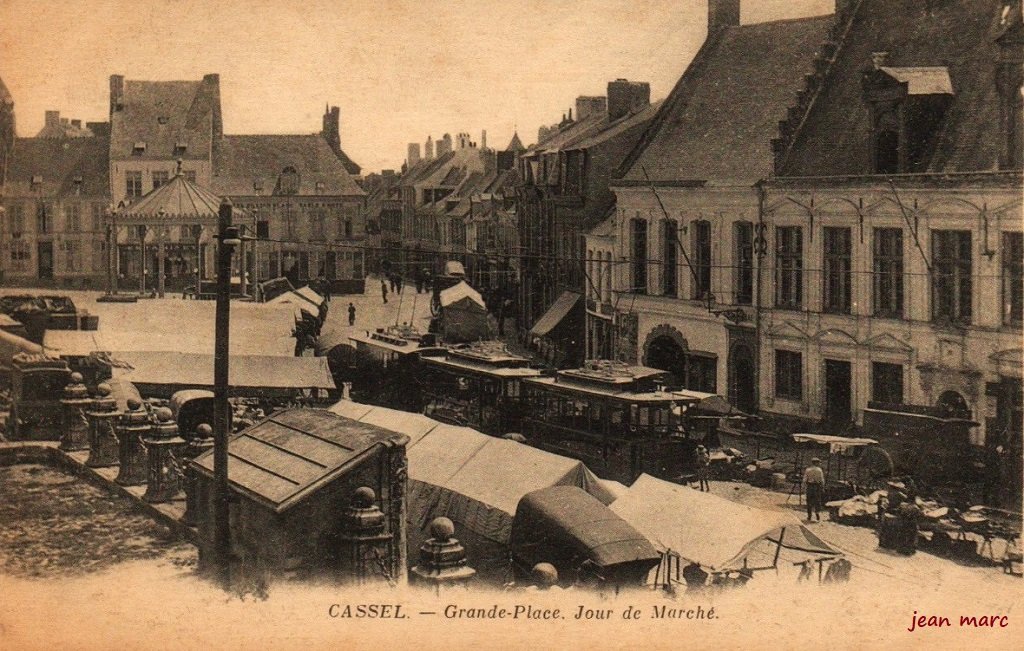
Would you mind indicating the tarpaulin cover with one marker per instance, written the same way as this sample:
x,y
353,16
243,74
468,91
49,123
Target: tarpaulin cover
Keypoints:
x,y
558,311
473,479
703,528
464,314
11,345
195,371
564,523
836,444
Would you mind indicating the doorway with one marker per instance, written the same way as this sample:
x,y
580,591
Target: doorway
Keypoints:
x,y
665,354
837,393
45,259
742,388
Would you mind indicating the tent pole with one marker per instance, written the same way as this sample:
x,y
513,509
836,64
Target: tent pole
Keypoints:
x,y
778,550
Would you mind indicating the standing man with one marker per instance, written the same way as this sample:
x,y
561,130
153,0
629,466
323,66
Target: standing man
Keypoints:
x,y
384,290
814,486
703,463
351,314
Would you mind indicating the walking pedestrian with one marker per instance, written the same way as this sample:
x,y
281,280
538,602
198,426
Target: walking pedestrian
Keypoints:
x,y
814,486
351,314
384,291
703,470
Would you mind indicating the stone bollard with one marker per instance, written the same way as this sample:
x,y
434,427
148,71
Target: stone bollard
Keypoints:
x,y
442,558
103,444
74,404
163,447
365,540
132,425
201,441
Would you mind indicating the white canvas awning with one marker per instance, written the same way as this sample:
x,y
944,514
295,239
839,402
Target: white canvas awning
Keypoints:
x,y
706,529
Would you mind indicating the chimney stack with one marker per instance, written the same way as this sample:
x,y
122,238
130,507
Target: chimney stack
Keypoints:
x,y
413,155
428,149
625,97
116,93
483,139
76,124
331,131
722,14
52,118
590,105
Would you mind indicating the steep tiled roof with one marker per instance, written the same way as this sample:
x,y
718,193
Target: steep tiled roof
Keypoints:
x,y
719,120
959,36
515,144
163,114
58,162
245,160
5,95
613,129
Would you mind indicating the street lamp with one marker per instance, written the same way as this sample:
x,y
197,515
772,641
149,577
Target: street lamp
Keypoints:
x,y
227,236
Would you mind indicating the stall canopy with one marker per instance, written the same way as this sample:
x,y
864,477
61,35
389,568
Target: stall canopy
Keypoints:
x,y
473,479
836,444
555,314
161,374
709,405
566,526
702,528
463,314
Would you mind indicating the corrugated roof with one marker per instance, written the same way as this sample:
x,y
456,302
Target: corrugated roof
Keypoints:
x,y
163,114
719,120
245,160
959,36
178,198
287,457
59,162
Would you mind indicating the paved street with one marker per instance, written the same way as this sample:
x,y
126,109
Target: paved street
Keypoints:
x,y
372,312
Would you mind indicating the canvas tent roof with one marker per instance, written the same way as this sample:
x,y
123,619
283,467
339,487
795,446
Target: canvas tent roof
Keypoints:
x,y
11,345
459,291
195,371
558,311
703,528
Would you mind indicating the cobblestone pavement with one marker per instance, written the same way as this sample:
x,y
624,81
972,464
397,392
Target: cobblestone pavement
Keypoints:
x,y
56,524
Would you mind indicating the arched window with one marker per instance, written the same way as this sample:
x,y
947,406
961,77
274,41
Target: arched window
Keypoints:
x,y
288,182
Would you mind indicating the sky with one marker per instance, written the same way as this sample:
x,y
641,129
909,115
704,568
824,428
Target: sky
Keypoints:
x,y
399,70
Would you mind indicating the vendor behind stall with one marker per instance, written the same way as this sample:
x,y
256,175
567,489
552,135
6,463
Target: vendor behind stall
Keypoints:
x,y
814,485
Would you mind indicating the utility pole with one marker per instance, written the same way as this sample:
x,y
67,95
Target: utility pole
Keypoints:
x,y
227,237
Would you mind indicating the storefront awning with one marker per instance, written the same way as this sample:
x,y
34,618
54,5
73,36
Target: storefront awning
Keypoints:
x,y
558,311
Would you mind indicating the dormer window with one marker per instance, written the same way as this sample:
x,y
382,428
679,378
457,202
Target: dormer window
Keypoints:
x,y
37,179
907,108
257,185
180,147
288,182
319,187
139,148
162,119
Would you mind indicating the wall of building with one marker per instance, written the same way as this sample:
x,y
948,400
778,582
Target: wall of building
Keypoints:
x,y
936,358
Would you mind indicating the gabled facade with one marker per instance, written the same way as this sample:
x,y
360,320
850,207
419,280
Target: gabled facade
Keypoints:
x,y
55,199
685,267
565,192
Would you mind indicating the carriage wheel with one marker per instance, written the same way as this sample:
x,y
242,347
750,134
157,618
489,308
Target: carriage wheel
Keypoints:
x,y
874,467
